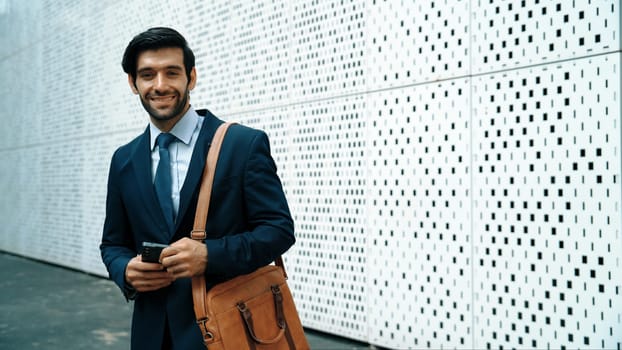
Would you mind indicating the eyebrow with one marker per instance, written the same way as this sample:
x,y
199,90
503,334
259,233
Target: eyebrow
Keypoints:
x,y
145,69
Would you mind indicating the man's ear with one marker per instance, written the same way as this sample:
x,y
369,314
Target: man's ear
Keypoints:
x,y
193,78
132,83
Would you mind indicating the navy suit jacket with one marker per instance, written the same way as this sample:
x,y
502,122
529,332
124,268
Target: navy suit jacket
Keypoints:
x,y
248,224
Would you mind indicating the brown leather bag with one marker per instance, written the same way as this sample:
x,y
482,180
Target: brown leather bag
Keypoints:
x,y
254,311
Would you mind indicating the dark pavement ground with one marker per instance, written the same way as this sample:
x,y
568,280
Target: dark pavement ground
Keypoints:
x,y
49,307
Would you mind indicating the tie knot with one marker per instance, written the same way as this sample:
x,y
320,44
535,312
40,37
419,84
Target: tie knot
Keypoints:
x,y
165,139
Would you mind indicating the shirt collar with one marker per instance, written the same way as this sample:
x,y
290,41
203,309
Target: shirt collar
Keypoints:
x,y
182,130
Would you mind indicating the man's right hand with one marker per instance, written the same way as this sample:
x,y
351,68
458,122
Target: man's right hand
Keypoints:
x,y
147,277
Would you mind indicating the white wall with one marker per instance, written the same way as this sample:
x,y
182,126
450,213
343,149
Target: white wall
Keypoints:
x,y
453,166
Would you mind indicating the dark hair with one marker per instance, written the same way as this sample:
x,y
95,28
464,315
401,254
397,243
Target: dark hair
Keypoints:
x,y
153,39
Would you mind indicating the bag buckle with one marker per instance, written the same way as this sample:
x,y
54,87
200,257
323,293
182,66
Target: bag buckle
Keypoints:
x,y
242,306
198,235
275,289
207,335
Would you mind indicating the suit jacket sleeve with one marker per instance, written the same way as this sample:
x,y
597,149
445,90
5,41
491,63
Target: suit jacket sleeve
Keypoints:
x,y
269,226
116,245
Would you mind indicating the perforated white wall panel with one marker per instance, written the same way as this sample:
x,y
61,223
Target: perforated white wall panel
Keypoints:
x,y
418,182
547,203
453,167
416,42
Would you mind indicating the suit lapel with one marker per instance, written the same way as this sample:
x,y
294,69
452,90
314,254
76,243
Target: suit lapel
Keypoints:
x,y
197,163
141,163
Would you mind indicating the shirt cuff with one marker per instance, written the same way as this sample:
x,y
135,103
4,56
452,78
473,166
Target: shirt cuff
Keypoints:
x,y
129,292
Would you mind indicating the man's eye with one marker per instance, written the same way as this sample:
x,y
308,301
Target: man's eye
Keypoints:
x,y
146,75
173,74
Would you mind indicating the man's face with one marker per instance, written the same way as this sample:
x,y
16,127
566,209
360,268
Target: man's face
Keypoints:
x,y
162,84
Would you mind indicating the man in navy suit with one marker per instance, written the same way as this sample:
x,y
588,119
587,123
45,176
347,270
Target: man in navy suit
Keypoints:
x,y
248,225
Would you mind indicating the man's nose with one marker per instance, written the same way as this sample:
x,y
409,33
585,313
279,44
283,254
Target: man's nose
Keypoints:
x,y
160,81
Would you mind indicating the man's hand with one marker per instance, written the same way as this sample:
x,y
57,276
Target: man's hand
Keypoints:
x,y
147,277
185,258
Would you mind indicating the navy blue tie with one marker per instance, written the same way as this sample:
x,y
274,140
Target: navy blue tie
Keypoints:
x,y
163,183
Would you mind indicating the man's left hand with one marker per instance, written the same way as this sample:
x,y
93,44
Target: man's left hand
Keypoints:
x,y
185,258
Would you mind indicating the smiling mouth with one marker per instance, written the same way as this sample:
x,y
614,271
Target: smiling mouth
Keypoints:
x,y
162,98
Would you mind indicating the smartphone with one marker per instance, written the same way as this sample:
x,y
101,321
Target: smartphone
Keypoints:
x,y
151,252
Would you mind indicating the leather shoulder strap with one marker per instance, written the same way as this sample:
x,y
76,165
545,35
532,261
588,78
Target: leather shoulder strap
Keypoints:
x,y
207,182
200,217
